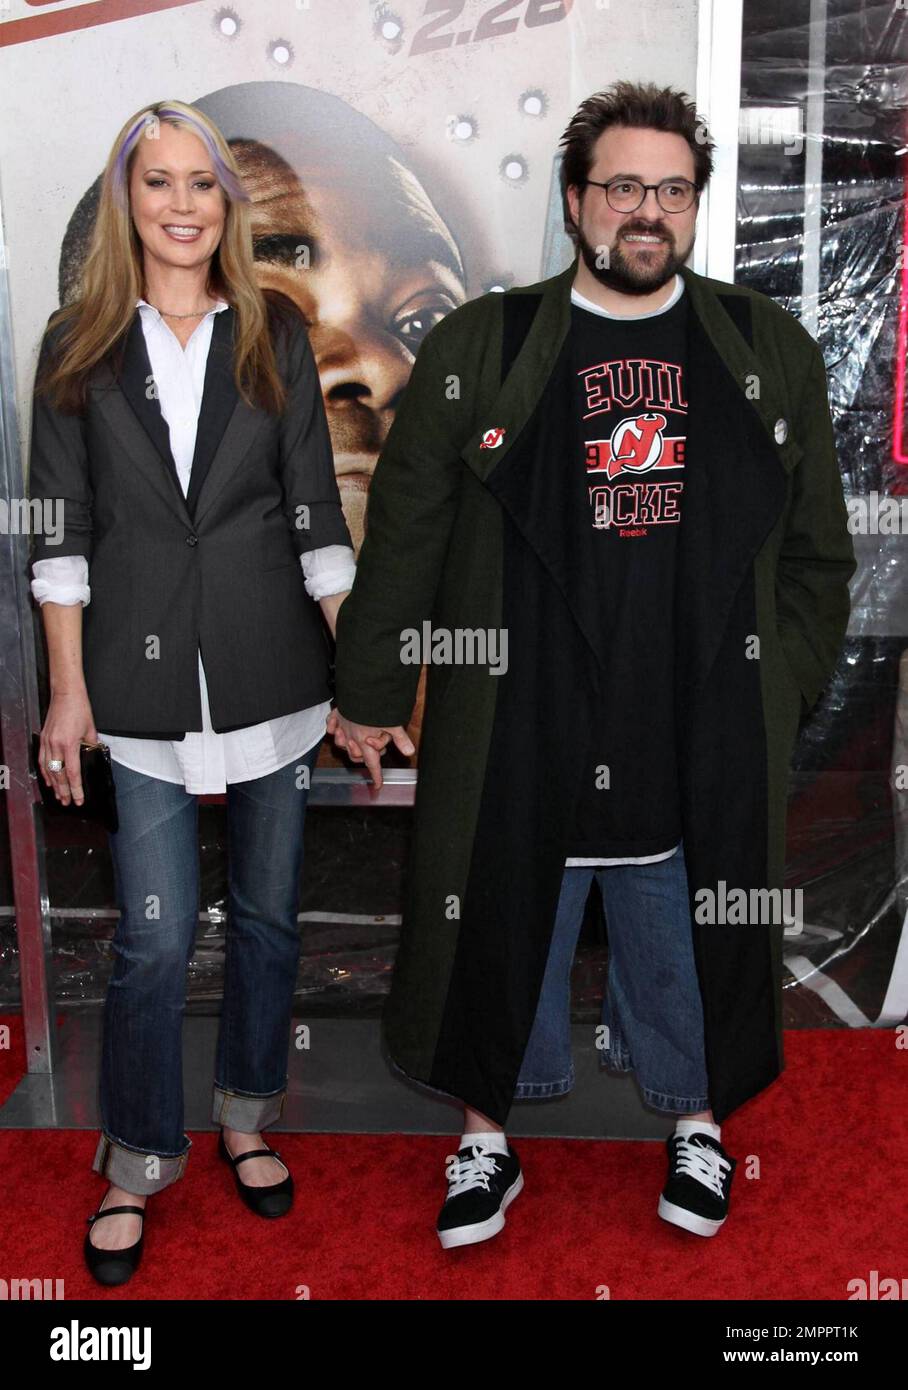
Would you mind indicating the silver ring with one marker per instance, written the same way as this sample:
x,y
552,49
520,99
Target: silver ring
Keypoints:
x,y
55,765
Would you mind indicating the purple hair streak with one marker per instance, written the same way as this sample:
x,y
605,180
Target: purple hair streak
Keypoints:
x,y
162,112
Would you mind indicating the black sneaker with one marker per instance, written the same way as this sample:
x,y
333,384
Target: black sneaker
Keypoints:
x,y
696,1192
482,1184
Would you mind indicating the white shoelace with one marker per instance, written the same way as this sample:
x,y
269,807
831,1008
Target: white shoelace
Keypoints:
x,y
467,1173
703,1163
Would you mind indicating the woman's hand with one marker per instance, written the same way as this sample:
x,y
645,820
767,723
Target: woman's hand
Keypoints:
x,y
69,721
365,743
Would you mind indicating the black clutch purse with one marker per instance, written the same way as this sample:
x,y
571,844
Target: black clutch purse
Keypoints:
x,y
100,802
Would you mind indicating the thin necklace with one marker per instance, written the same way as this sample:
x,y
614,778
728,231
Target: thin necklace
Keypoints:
x,y
164,314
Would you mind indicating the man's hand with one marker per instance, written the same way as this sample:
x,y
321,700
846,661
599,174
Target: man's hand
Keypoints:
x,y
365,743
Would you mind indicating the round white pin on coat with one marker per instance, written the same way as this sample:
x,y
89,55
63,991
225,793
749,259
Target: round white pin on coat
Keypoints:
x,y
781,431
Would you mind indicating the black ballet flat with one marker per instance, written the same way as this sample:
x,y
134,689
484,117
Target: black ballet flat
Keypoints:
x,y
275,1200
114,1266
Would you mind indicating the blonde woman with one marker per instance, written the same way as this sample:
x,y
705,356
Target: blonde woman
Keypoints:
x,y
179,426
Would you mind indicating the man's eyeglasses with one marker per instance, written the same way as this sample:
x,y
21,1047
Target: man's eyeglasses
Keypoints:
x,y
627,195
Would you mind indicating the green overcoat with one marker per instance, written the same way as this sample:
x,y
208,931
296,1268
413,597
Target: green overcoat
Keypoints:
x,y
465,531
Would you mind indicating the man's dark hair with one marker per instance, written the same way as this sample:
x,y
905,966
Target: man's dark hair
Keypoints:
x,y
634,104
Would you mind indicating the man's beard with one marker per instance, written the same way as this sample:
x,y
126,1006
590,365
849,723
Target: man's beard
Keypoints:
x,y
635,276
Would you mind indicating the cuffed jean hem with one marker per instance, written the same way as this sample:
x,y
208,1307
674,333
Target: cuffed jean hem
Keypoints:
x,y
246,1112
128,1168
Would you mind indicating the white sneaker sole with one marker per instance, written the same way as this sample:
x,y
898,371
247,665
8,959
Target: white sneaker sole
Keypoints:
x,y
482,1230
680,1216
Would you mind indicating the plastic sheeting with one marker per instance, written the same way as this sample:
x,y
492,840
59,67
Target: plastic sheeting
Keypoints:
x,y
848,823
349,916
349,907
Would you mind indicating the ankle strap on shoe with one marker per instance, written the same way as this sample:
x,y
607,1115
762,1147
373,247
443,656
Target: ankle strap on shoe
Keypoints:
x,y
116,1211
253,1153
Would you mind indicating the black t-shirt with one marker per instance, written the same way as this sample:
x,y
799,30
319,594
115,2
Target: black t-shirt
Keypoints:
x,y
630,397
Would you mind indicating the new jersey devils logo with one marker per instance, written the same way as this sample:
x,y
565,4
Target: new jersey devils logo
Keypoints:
x,y
492,438
636,444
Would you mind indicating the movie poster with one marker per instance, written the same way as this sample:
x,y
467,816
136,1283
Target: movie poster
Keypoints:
x,y
417,142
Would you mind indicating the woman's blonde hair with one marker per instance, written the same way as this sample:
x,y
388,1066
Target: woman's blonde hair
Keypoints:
x,y
113,276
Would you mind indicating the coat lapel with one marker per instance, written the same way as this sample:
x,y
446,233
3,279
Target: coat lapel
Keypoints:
x,y
227,426
734,481
225,430
734,492
519,394
136,384
219,399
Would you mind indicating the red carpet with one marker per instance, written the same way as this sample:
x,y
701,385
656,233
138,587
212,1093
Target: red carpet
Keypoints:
x,y
828,1141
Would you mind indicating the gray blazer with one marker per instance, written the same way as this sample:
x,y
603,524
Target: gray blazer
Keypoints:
x,y
218,569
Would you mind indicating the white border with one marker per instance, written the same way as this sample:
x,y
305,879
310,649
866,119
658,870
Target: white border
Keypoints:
x,y
720,25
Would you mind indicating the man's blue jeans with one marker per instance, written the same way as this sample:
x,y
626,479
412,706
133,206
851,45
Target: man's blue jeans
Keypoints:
x,y
156,872
651,1006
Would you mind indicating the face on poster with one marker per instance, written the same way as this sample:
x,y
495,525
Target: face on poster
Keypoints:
x,y
401,158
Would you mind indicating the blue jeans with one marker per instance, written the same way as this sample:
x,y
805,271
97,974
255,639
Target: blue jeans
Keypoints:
x,y
651,1009
156,872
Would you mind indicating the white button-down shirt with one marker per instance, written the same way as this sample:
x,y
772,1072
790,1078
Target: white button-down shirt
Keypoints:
x,y
205,761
